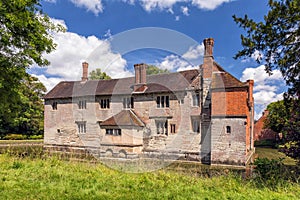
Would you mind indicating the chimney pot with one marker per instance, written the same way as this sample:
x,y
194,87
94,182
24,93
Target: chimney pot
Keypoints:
x,y
208,45
140,73
85,66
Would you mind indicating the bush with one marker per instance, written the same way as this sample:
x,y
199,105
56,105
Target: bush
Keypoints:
x,y
274,172
14,137
36,137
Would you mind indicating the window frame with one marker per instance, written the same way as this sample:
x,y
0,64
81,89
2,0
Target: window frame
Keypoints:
x,y
163,101
163,125
82,104
104,103
81,127
113,131
196,99
128,102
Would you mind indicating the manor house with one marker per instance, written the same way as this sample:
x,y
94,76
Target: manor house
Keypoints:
x,y
203,114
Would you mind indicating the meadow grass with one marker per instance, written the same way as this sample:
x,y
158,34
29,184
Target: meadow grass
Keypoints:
x,y
271,153
52,178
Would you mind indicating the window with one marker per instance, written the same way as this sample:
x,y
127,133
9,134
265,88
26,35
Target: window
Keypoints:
x,y
128,102
81,127
104,103
173,128
162,127
54,105
82,104
228,129
196,98
115,132
196,125
162,101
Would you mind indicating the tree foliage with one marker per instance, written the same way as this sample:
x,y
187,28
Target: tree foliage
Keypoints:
x,y
98,75
152,69
25,35
278,116
27,111
284,117
277,39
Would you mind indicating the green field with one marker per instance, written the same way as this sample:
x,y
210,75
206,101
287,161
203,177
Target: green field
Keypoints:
x,y
271,153
52,178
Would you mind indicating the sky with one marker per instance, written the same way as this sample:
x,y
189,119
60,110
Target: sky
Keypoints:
x,y
116,34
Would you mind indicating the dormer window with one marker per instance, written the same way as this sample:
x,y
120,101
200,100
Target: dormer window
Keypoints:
x,y
163,101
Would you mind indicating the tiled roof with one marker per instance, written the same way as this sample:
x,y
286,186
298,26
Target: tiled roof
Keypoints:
x,y
124,118
177,81
159,83
223,79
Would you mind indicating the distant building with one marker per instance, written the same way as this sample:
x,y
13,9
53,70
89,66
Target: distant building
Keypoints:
x,y
203,114
262,133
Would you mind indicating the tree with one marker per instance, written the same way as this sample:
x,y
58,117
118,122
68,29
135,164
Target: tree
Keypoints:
x,y
151,69
98,75
278,116
277,39
24,38
28,110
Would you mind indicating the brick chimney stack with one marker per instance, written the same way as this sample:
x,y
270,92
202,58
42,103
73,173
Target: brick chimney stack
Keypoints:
x,y
85,67
140,73
208,59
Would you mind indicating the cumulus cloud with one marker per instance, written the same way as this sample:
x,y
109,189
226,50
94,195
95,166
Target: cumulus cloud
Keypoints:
x,y
177,18
72,49
151,5
94,6
209,5
194,52
266,87
257,55
185,10
174,63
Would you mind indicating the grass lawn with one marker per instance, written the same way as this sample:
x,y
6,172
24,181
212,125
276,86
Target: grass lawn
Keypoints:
x,y
56,179
20,141
271,153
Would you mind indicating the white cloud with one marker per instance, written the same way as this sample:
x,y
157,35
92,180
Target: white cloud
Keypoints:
x,y
72,49
194,52
185,10
209,4
177,18
94,6
150,5
257,55
266,88
174,63
259,75
50,1
48,82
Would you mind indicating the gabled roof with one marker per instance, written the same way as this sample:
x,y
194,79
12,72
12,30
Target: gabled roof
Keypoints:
x,y
124,118
177,81
223,79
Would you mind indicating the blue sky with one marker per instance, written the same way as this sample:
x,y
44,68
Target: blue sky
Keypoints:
x,y
114,35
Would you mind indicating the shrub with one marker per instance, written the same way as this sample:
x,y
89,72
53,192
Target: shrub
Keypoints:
x,y
36,137
274,172
14,137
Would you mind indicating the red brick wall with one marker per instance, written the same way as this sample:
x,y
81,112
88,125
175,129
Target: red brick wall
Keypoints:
x,y
260,133
230,103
